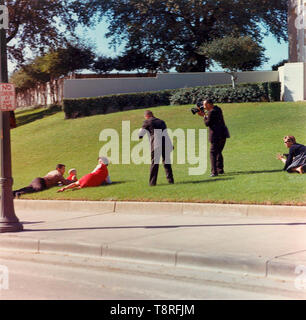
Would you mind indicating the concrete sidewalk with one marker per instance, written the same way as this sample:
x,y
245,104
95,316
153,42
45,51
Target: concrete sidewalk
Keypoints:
x,y
270,243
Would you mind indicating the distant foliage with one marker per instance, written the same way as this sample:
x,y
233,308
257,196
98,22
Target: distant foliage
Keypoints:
x,y
82,107
167,33
267,91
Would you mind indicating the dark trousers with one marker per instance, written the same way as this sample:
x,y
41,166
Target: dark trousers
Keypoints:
x,y
155,157
38,184
216,158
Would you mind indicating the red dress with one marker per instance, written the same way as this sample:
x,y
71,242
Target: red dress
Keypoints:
x,y
70,177
94,179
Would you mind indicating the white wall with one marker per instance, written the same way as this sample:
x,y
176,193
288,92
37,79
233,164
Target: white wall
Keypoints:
x,y
281,71
293,78
80,88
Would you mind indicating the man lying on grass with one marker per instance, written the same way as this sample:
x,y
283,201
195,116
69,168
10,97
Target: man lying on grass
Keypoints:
x,y
94,179
52,179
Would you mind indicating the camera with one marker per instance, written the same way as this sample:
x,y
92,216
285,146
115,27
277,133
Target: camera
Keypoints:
x,y
199,107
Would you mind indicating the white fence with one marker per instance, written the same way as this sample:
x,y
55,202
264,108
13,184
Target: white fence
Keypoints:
x,y
81,88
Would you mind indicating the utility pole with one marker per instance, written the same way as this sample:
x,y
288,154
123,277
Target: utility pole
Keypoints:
x,y
8,219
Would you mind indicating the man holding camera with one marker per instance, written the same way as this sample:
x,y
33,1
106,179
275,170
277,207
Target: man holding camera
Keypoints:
x,y
218,133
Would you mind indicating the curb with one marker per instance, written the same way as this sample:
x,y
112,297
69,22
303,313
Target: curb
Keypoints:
x,y
257,266
179,208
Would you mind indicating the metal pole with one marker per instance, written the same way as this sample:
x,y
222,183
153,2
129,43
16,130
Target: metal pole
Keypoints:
x,y
8,219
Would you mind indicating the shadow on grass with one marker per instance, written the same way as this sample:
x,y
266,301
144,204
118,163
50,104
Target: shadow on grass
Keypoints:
x,y
172,226
116,182
27,118
252,172
218,179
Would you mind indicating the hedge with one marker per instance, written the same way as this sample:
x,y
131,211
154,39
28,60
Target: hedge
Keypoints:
x,y
248,92
82,107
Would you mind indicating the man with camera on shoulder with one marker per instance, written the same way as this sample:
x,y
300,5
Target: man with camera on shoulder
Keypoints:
x,y
218,133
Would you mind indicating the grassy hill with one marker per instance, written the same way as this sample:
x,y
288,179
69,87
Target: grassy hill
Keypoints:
x,y
253,175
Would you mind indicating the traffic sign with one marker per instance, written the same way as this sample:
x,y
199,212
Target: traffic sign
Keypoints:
x,y
7,97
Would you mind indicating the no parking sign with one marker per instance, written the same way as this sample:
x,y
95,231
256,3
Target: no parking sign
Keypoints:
x,y
7,97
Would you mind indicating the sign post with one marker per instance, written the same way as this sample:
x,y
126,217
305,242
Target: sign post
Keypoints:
x,y
8,219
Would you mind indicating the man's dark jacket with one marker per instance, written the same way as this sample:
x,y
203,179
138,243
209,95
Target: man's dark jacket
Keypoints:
x,y
216,124
150,125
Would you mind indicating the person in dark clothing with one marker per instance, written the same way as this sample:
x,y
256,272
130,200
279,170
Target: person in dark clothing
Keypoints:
x,y
161,146
218,133
52,179
296,159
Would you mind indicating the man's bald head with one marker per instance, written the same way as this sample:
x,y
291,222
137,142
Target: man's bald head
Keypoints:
x,y
148,114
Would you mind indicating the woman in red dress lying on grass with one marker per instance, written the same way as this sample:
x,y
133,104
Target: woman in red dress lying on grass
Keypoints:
x,y
93,179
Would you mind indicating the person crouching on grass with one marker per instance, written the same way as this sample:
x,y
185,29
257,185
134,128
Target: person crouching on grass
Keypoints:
x,y
296,159
72,175
94,179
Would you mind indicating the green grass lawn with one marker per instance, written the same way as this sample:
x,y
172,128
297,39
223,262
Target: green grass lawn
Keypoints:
x,y
253,175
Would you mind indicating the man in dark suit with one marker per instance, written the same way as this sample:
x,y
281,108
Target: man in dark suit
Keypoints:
x,y
218,133
161,146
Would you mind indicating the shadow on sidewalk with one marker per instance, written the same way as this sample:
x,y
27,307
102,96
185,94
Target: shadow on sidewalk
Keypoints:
x,y
173,226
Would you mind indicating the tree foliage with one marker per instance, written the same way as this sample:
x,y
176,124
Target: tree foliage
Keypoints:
x,y
104,64
234,54
130,60
53,65
279,64
170,31
62,61
38,25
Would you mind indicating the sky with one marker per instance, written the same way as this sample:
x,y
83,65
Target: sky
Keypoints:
x,y
275,51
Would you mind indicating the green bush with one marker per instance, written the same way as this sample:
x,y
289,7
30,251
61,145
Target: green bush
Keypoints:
x,y
246,92
82,107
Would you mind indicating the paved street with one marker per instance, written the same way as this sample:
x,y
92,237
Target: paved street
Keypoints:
x,y
223,256
60,278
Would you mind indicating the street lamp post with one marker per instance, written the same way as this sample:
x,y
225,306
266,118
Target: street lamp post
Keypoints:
x,y
8,219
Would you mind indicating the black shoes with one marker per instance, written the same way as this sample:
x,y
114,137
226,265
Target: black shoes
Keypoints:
x,y
216,174
16,195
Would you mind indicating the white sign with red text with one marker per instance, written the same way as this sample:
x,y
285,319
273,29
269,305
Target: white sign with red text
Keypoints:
x,y
7,97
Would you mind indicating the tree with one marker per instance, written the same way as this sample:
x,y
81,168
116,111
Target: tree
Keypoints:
x,y
51,66
38,25
170,31
22,80
135,60
280,64
234,54
104,64
130,60
65,60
